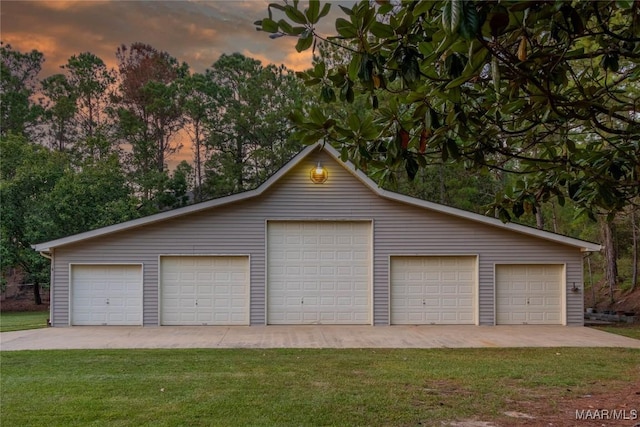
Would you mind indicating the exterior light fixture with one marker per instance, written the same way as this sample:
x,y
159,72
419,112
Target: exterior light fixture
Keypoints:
x,y
318,174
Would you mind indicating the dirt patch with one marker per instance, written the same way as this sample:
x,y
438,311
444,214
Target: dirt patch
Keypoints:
x,y
614,406
25,303
624,301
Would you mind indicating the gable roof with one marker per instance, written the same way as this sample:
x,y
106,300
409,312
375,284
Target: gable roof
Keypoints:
x,y
162,216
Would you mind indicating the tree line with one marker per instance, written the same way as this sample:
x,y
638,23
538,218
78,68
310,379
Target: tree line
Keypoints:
x,y
90,146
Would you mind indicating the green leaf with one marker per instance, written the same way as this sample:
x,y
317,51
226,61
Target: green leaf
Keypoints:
x,y
320,69
295,15
325,10
313,12
354,122
328,94
304,42
317,116
452,149
385,8
285,27
277,6
456,82
470,21
451,13
346,10
269,26
346,29
381,30
411,166
512,107
354,67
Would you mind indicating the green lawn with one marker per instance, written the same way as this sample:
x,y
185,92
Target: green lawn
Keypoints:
x,y
628,330
295,386
16,321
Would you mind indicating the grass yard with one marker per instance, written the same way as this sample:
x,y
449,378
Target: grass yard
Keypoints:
x,y
17,321
301,387
627,330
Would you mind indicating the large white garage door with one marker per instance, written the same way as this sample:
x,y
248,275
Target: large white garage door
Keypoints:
x,y
106,294
433,290
529,294
204,290
319,272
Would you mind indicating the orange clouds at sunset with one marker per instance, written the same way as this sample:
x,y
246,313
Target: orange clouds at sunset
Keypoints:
x,y
195,32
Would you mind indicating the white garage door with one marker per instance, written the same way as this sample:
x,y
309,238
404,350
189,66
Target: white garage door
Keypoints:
x,y
433,290
319,272
529,294
106,295
204,290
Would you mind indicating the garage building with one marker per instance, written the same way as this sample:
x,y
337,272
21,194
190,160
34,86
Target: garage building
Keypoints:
x,y
317,243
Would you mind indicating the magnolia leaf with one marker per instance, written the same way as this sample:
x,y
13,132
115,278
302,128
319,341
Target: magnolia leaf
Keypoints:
x,y
304,42
470,21
451,12
269,25
325,10
411,166
381,30
295,15
354,122
346,29
277,6
346,10
327,94
313,12
285,27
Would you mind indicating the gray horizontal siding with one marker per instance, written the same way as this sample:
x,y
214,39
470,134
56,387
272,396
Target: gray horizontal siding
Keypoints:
x,y
240,229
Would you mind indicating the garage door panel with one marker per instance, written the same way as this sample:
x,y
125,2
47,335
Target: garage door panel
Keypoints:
x,y
107,294
433,289
529,294
327,277
204,290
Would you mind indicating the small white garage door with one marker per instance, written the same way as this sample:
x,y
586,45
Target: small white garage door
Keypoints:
x,y
436,290
529,294
319,272
106,295
204,290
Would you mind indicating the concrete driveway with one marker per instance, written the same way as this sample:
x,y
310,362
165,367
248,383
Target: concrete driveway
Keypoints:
x,y
315,336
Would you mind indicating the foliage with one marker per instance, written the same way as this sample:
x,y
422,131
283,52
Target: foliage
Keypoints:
x,y
149,113
28,172
44,198
92,82
249,136
548,90
18,73
201,101
300,386
59,111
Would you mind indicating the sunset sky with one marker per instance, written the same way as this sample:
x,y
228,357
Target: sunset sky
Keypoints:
x,y
196,32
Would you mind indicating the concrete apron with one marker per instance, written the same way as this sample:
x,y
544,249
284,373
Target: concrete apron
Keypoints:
x,y
311,336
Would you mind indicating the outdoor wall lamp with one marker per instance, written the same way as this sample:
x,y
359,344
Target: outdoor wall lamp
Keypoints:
x,y
574,288
318,174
